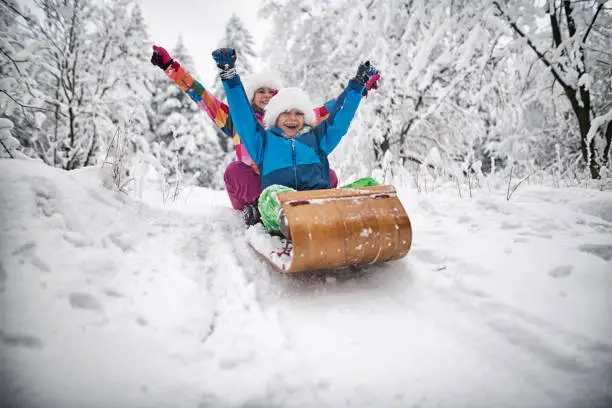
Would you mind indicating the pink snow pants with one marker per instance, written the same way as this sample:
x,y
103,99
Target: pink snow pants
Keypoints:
x,y
243,185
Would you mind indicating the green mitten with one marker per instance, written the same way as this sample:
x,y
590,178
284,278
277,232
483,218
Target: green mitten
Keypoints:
x,y
270,208
362,182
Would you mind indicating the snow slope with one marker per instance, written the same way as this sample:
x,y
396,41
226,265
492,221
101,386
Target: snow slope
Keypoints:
x,y
111,302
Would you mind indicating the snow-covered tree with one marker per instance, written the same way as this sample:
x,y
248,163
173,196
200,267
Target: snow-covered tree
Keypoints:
x,y
85,62
238,37
572,39
21,102
430,54
459,84
183,133
64,57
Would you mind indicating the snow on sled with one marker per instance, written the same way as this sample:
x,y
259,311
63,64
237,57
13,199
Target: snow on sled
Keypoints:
x,y
336,228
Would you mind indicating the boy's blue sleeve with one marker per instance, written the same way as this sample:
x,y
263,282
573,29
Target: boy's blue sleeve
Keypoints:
x,y
340,116
245,123
330,104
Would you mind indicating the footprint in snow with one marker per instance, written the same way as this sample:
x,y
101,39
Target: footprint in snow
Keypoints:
x,y
3,274
99,267
83,301
561,271
536,234
122,241
77,239
604,251
25,249
510,225
463,219
113,293
20,340
26,252
47,196
428,256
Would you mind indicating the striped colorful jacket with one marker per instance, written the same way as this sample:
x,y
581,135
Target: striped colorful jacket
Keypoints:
x,y
219,111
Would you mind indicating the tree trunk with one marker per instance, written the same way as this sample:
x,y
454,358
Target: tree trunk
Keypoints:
x,y
606,155
583,114
381,149
70,152
57,120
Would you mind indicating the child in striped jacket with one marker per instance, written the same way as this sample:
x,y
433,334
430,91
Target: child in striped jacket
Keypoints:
x,y
242,179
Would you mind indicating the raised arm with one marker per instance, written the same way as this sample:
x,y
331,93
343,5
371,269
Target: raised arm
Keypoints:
x,y
343,111
216,110
246,124
322,112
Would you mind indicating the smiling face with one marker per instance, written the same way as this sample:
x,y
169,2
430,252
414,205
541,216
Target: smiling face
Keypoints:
x,y
290,122
262,97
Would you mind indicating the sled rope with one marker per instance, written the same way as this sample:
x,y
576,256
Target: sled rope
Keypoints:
x,y
286,250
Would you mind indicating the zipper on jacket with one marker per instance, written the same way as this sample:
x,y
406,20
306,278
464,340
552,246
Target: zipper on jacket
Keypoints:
x,y
294,165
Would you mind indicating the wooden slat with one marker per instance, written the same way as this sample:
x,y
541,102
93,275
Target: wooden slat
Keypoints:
x,y
342,227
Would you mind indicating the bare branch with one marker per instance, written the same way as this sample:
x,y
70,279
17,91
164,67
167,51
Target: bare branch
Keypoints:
x,y
14,10
608,136
12,60
7,149
571,23
23,105
554,24
533,47
592,23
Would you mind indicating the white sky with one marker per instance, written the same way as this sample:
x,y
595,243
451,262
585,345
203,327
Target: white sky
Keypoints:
x,y
202,24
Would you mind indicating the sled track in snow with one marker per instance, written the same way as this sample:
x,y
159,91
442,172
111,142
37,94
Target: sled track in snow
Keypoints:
x,y
256,306
245,318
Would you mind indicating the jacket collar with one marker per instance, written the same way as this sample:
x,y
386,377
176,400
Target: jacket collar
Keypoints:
x,y
258,111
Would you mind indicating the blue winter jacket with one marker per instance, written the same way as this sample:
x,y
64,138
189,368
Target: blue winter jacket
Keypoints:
x,y
301,162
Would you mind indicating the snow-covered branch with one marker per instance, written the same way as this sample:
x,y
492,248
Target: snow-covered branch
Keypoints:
x,y
531,45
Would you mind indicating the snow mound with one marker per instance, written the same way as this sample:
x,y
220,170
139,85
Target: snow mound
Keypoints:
x,y
108,301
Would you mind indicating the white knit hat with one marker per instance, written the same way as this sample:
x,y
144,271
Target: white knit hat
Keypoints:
x,y
263,79
285,100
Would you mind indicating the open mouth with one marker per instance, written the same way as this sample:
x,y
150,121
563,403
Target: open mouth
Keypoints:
x,y
291,126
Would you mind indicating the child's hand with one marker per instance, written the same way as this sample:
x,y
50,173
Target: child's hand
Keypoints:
x,y
225,58
160,57
367,75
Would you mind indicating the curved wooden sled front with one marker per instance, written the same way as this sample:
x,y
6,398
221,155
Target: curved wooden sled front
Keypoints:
x,y
343,227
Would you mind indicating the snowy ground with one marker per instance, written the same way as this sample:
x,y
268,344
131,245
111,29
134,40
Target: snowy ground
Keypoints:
x,y
111,302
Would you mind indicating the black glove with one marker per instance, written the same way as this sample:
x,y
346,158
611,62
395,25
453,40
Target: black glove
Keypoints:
x,y
365,72
225,59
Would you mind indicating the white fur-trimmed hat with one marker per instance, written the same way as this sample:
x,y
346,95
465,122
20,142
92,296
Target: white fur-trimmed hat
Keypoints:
x,y
263,79
285,100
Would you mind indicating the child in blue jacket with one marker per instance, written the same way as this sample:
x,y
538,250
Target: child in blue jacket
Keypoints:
x,y
290,151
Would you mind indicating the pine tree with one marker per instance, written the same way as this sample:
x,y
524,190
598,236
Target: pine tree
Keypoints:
x,y
238,37
174,107
187,145
121,49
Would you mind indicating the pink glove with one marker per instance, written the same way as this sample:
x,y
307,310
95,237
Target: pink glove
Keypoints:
x,y
161,58
373,82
